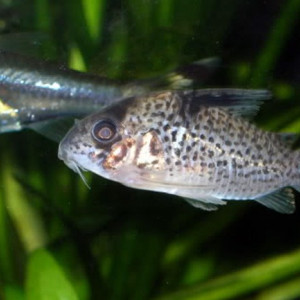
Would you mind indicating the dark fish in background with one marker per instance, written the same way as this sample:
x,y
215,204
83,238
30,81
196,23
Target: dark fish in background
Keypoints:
x,y
195,144
35,93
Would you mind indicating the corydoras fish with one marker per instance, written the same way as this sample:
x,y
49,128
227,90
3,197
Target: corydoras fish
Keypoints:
x,y
195,144
33,92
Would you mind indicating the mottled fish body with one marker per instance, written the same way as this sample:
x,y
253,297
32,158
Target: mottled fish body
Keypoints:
x,y
195,144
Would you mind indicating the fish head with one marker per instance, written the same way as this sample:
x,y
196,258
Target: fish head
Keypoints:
x,y
112,143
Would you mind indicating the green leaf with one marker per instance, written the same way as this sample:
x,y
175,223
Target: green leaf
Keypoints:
x,y
280,32
46,279
242,282
26,218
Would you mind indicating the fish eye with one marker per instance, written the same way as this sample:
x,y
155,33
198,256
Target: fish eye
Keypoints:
x,y
104,131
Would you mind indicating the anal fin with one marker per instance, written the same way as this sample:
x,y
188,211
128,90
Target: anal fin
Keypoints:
x,y
282,201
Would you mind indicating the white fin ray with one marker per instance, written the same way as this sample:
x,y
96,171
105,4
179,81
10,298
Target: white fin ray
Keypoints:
x,y
206,204
281,201
77,169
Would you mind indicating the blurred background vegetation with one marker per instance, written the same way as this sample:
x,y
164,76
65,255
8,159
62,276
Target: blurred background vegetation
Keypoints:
x,y
59,240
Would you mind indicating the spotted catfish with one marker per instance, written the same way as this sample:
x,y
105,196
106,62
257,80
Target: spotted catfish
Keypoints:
x,y
197,144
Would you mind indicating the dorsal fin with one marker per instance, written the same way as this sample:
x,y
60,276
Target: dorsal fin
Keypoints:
x,y
239,102
182,77
193,74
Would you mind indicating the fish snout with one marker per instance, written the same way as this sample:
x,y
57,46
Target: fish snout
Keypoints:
x,y
76,149
66,154
62,153
66,147
71,143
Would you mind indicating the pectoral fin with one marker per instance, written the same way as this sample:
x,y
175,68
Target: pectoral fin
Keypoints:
x,y
282,201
